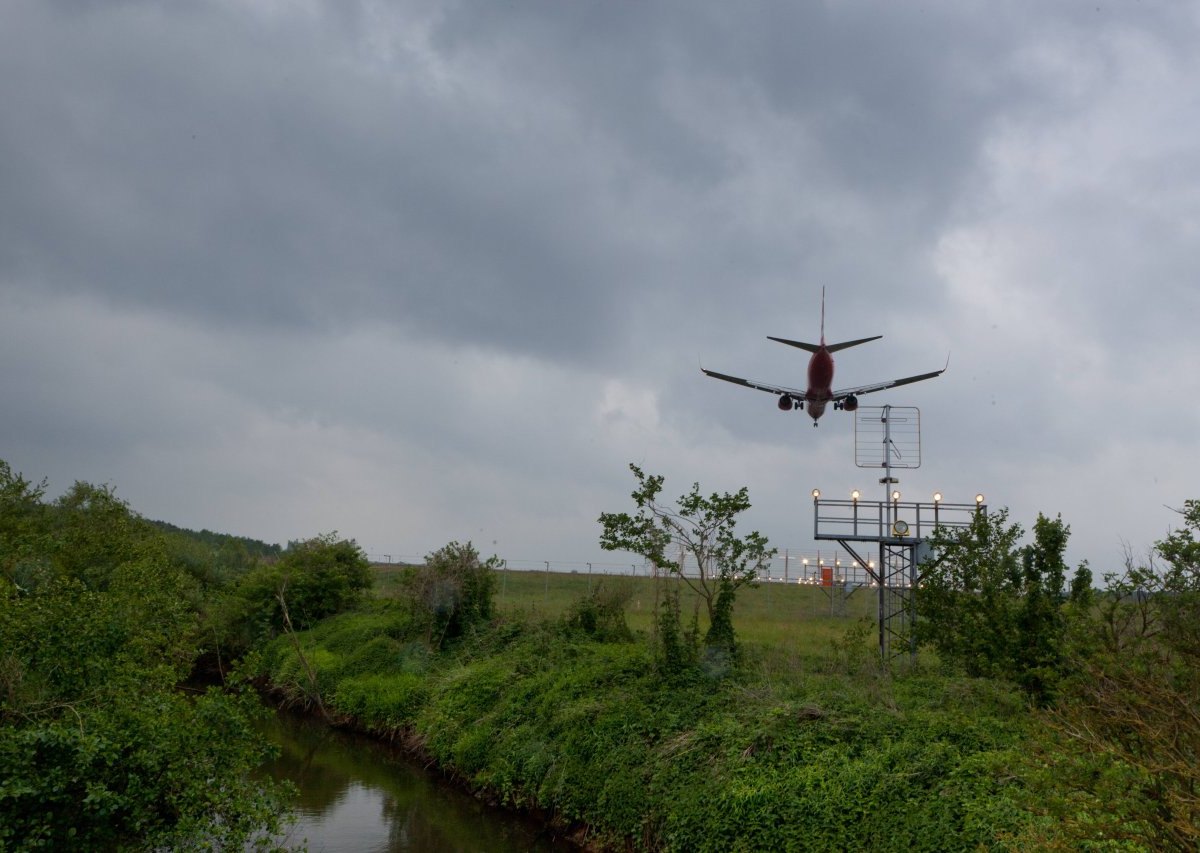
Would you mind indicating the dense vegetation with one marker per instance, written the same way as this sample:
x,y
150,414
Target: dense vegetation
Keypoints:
x,y
571,716
102,615
1041,714
1116,674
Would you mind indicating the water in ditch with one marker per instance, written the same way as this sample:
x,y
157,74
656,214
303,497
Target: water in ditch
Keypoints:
x,y
359,795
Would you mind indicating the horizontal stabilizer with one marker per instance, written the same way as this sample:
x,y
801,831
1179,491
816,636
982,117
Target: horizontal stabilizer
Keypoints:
x,y
809,347
848,344
828,347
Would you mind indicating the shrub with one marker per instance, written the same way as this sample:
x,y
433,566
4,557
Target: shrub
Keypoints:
x,y
601,613
314,579
452,592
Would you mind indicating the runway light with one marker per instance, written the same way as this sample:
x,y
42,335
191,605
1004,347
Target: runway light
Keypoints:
x,y
816,493
896,495
979,498
937,497
854,495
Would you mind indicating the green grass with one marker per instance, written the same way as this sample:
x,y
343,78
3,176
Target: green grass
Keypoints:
x,y
801,620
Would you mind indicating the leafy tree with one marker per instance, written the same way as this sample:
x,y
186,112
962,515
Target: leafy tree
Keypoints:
x,y
698,527
96,532
452,591
996,609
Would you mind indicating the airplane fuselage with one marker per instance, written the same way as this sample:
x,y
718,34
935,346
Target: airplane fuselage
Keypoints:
x,y
820,382
820,374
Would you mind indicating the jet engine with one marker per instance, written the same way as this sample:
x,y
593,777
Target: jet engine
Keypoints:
x,y
850,403
786,403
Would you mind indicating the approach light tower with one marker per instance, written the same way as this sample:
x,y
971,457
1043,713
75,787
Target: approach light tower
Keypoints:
x,y
889,437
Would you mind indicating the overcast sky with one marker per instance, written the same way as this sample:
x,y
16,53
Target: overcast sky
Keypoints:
x,y
430,271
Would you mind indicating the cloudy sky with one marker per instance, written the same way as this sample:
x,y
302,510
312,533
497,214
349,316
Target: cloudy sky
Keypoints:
x,y
429,271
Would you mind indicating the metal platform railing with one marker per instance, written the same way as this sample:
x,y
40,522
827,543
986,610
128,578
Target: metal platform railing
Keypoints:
x,y
878,521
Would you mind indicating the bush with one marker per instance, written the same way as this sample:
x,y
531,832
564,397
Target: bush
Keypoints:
x,y
601,613
452,592
152,771
314,579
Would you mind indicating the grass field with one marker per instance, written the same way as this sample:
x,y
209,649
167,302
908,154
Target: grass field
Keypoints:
x,y
784,616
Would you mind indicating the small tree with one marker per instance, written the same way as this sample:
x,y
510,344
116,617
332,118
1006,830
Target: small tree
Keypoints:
x,y
453,591
698,527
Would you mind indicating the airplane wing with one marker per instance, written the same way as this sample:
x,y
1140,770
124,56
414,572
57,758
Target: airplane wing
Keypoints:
x,y
842,394
758,386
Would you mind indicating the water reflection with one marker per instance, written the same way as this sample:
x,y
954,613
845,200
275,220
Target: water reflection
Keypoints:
x,y
357,794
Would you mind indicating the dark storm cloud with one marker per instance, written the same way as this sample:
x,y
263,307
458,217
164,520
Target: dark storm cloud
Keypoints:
x,y
218,165
469,171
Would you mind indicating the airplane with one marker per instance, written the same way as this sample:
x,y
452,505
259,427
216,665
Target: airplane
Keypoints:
x,y
820,378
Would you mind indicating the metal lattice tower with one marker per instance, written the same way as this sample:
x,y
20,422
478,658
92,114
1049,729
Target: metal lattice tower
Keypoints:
x,y
898,572
889,437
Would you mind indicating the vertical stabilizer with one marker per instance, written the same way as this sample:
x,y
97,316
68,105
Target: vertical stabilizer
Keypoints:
x,y
822,315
